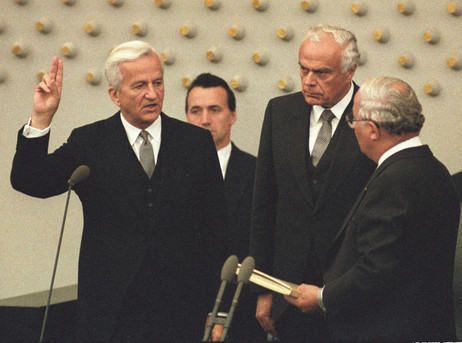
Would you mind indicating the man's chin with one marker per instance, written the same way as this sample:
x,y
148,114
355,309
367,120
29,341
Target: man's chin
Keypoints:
x,y
313,100
150,117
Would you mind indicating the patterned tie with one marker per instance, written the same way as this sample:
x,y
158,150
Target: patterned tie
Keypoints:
x,y
324,137
147,154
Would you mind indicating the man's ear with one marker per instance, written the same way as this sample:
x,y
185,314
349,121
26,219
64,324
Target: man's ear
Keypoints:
x,y
374,131
350,73
113,94
233,117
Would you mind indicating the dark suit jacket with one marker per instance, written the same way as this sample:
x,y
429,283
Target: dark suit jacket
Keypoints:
x,y
239,180
392,270
174,219
457,178
294,221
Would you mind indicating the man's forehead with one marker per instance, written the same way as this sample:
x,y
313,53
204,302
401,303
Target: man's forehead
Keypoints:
x,y
209,93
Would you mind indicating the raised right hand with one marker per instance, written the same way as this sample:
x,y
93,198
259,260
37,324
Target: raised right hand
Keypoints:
x,y
47,96
263,313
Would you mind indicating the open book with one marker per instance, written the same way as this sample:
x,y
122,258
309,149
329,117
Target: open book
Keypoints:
x,y
272,283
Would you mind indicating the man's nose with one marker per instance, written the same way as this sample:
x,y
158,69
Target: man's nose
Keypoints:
x,y
151,92
205,118
310,79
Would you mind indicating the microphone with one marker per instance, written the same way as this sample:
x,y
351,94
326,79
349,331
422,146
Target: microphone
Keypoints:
x,y
245,272
79,175
228,272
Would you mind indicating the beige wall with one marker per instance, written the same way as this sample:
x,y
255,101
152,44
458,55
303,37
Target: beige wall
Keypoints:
x,y
30,227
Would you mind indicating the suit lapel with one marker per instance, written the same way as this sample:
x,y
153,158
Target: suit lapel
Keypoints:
x,y
235,176
403,154
171,163
343,157
118,149
297,146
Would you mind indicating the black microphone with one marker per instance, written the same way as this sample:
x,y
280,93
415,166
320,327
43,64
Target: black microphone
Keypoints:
x,y
228,273
243,277
79,175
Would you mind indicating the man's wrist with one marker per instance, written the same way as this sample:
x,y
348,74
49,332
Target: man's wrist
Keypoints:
x,y
33,132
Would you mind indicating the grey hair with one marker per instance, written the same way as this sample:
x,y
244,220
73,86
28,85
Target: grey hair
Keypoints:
x,y
350,55
391,103
124,52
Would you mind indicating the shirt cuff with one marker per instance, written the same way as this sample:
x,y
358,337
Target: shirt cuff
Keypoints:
x,y
32,132
320,301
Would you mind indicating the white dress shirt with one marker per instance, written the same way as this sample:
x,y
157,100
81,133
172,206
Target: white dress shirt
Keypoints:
x,y
223,156
410,143
337,110
133,135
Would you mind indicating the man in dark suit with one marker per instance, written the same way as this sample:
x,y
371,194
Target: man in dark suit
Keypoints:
x,y
302,194
211,104
390,277
457,178
153,204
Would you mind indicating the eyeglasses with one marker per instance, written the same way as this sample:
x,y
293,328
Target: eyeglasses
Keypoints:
x,y
351,121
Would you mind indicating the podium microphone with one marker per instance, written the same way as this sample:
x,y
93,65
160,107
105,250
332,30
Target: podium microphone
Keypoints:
x,y
79,175
228,273
245,272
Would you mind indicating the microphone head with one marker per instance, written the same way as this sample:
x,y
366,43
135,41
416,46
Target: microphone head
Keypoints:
x,y
228,271
246,270
79,175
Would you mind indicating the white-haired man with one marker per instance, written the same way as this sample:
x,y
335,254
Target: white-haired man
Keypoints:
x,y
390,274
152,205
309,172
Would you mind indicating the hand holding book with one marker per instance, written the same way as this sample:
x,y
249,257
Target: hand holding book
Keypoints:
x,y
276,285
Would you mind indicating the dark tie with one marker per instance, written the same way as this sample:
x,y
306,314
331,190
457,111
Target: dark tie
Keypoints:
x,y
147,154
323,139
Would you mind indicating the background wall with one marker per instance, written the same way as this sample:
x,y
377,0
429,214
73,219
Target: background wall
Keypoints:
x,y
30,227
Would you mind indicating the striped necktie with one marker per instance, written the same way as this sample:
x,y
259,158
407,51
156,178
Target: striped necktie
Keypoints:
x,y
324,136
147,154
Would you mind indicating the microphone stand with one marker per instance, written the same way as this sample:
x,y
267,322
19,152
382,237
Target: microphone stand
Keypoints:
x,y
80,174
227,274
245,273
55,265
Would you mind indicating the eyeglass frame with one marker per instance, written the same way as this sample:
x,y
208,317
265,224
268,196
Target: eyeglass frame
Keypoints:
x,y
351,120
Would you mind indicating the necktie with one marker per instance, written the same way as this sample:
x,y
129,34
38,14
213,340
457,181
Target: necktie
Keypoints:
x,y
323,139
147,154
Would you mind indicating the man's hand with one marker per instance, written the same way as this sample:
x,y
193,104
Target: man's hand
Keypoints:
x,y
263,313
47,96
217,331
307,301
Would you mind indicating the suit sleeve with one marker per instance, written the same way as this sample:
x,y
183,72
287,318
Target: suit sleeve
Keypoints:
x,y
213,219
263,220
37,173
371,261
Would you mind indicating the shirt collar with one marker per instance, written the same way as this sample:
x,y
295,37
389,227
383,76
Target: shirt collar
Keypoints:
x,y
223,156
133,132
338,108
410,143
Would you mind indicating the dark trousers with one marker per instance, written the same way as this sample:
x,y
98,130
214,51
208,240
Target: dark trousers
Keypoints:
x,y
153,311
296,326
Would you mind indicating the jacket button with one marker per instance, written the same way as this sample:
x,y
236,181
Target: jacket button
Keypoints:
x,y
315,182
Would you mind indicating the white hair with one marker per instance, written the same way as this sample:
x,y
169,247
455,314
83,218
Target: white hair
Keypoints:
x,y
392,104
350,55
124,52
